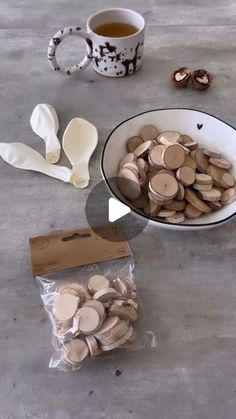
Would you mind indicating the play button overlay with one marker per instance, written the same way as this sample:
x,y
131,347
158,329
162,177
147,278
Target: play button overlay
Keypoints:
x,y
116,210
103,208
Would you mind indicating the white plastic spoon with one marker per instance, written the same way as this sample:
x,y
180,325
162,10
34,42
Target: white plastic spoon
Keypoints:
x,y
79,142
44,122
23,157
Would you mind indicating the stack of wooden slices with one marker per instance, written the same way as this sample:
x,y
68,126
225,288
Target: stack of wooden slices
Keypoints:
x,y
169,177
94,317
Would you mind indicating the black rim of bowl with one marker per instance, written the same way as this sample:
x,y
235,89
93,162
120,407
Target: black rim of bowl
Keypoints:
x,y
140,214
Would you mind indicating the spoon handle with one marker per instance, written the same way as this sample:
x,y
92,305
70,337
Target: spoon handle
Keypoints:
x,y
80,175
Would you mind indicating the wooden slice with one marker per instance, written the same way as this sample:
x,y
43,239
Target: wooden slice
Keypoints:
x,y
76,351
105,295
128,184
185,175
129,158
120,341
155,156
152,208
222,163
123,312
216,173
126,302
215,205
192,212
133,143
89,320
142,149
200,187
164,184
165,213
212,195
228,196
176,206
140,202
98,306
189,162
123,287
184,139
66,289
168,137
177,218
65,306
191,145
116,333
107,325
157,199
133,167
97,282
173,156
201,160
192,198
92,345
227,180
203,179
212,153
169,172
142,164
181,192
149,132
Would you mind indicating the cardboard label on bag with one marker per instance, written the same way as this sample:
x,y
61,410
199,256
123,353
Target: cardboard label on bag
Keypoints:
x,y
69,249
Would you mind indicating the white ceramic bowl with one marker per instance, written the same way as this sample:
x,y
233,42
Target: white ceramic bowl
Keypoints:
x,y
209,131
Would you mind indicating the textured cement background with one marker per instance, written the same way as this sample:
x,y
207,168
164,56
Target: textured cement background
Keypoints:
x,y
187,280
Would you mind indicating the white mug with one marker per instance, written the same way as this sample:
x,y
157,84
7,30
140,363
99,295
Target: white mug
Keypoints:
x,y
110,56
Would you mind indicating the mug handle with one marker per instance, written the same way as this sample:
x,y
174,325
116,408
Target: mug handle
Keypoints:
x,y
58,38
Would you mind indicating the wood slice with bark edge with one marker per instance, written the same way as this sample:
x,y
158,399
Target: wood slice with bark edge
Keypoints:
x,y
221,163
128,184
212,153
97,282
168,138
164,185
190,162
143,149
173,156
212,195
214,205
216,173
142,164
192,198
201,187
140,202
177,218
203,179
228,196
185,175
165,213
149,132
201,160
176,206
227,180
128,158
133,143
181,192
192,212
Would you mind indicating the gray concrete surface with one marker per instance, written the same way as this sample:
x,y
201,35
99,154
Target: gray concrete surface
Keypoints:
x,y
187,280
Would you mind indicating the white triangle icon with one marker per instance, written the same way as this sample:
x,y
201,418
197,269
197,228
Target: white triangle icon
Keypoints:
x,y
116,210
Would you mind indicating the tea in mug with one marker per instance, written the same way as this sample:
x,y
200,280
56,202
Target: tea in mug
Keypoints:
x,y
116,29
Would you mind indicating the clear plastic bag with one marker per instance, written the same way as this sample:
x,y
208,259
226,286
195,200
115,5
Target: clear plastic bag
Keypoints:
x,y
118,322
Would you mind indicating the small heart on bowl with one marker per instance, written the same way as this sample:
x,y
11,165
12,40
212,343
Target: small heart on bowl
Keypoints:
x,y
199,126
